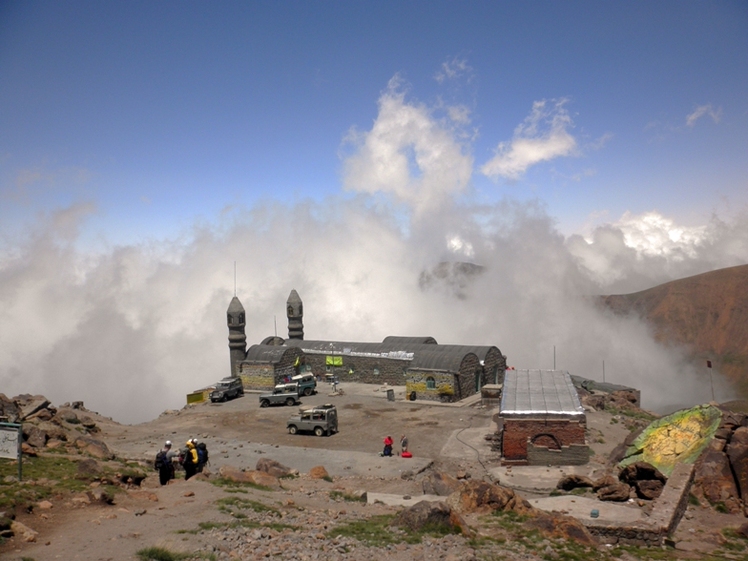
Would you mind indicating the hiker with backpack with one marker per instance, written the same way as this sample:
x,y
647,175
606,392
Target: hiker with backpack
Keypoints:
x,y
202,454
164,464
188,458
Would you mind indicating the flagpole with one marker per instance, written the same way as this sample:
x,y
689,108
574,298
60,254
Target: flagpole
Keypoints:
x,y
711,379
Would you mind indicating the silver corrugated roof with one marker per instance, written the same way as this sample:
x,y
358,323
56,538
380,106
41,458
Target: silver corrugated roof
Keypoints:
x,y
539,392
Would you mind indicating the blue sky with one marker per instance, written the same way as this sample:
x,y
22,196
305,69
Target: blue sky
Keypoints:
x,y
163,112
344,149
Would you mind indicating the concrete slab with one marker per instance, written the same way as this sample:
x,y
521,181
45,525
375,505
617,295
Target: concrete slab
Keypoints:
x,y
581,507
401,500
538,479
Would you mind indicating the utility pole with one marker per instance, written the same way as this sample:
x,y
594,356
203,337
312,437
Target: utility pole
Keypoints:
x,y
603,371
554,357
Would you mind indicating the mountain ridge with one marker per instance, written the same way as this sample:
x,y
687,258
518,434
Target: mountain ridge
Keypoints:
x,y
706,313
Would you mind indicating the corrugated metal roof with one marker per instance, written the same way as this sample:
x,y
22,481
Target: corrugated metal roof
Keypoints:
x,y
396,339
350,348
392,345
539,392
449,360
265,353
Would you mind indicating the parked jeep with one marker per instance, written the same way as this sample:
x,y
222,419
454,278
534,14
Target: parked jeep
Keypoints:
x,y
226,389
307,383
321,420
287,394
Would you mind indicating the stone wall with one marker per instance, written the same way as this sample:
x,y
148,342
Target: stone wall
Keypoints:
x,y
553,433
574,455
367,370
443,390
666,514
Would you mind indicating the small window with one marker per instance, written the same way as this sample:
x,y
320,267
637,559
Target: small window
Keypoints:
x,y
430,383
376,372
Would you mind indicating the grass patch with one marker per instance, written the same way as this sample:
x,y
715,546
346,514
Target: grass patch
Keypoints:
x,y
160,554
230,505
52,475
236,487
377,531
693,500
342,496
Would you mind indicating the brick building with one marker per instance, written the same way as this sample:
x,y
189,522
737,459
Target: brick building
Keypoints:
x,y
427,369
541,419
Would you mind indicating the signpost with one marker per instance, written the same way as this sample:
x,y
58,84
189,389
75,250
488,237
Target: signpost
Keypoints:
x,y
10,443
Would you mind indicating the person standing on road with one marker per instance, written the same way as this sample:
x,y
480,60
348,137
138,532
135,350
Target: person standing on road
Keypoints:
x,y
164,464
403,444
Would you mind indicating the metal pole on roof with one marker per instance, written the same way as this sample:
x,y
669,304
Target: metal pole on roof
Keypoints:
x,y
554,357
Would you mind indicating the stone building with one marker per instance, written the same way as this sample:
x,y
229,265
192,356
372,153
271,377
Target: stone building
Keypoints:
x,y
541,419
427,369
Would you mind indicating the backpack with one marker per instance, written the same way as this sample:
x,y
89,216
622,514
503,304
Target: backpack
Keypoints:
x,y
160,460
202,453
185,457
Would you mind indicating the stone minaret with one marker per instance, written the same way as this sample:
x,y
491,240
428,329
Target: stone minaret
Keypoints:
x,y
295,313
237,337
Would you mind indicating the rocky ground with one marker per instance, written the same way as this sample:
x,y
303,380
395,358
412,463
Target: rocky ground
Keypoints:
x,y
116,508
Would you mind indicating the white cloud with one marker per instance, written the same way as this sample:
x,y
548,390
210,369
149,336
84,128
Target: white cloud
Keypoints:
x,y
409,153
702,111
453,68
544,135
641,251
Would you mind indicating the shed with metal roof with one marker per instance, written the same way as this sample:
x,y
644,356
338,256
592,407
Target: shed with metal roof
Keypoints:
x,y
542,419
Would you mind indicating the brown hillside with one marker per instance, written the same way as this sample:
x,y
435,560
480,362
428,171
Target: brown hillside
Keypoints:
x,y
708,313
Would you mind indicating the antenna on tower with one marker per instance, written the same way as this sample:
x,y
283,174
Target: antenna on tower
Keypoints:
x,y
234,278
275,326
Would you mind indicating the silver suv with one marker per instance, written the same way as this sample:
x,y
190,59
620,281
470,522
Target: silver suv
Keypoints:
x,y
321,420
226,389
282,393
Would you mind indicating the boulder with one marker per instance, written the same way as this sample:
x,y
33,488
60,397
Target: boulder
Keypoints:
x,y
276,469
559,526
481,496
649,489
9,409
89,467
713,476
23,532
53,430
573,481
737,453
30,404
605,481
440,484
100,496
35,436
88,423
95,448
319,472
640,471
28,450
424,514
68,416
619,492
253,477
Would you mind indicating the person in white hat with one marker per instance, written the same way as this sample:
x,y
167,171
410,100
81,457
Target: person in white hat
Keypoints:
x,y
164,463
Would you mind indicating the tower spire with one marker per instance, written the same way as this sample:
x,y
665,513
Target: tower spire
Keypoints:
x,y
295,314
237,337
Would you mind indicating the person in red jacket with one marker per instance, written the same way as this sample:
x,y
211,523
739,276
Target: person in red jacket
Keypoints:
x,y
388,442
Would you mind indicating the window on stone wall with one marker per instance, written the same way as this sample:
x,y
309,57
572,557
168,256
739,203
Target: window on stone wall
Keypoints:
x,y
376,371
430,383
